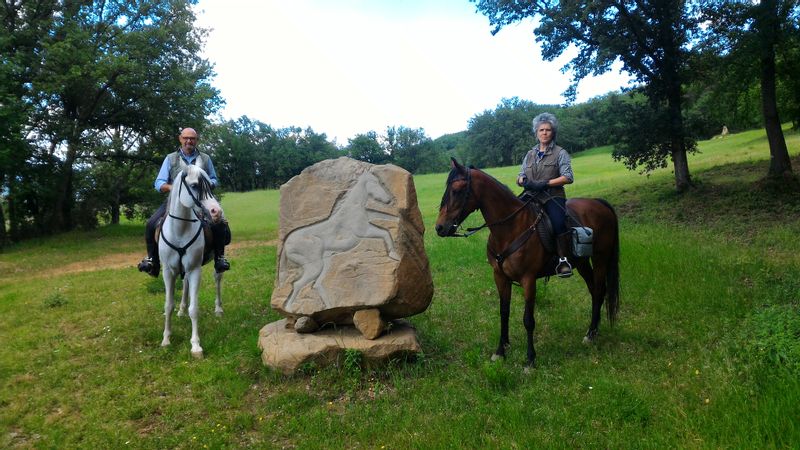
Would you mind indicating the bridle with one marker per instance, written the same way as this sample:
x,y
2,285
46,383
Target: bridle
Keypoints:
x,y
517,243
463,215
182,250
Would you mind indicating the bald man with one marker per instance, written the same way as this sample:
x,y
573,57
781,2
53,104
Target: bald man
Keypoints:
x,y
187,154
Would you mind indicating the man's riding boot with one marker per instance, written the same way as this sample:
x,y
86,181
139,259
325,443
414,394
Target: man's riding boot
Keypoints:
x,y
150,265
564,241
221,264
219,231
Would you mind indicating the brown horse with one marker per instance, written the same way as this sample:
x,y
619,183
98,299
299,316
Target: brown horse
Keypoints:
x,y
516,252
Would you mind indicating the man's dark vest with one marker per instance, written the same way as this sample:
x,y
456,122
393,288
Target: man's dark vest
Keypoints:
x,y
177,163
545,169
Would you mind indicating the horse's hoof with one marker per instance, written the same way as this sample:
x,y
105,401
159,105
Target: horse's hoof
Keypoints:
x,y
181,313
165,342
218,313
197,354
587,340
528,370
496,357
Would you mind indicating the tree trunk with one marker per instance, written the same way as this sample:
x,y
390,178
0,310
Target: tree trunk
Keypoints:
x,y
680,162
3,233
115,208
62,211
13,229
767,22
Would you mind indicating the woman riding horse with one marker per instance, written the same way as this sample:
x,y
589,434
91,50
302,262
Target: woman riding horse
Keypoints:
x,y
515,249
545,170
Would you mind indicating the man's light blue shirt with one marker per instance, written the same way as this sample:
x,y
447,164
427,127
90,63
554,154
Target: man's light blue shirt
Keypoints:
x,y
163,174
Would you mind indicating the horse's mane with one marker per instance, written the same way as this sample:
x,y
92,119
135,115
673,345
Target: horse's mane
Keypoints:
x,y
452,176
202,179
502,185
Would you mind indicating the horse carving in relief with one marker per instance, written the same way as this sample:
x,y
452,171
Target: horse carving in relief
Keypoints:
x,y
311,247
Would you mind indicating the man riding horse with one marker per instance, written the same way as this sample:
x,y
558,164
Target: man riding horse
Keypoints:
x,y
187,154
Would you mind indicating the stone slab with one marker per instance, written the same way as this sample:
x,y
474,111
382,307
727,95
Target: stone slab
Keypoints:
x,y
286,351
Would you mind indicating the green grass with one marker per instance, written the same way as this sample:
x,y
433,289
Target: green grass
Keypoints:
x,y
705,353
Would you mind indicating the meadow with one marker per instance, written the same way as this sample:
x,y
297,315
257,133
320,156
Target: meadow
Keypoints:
x,y
705,354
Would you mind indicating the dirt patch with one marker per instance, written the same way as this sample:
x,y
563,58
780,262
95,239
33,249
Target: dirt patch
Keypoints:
x,y
128,260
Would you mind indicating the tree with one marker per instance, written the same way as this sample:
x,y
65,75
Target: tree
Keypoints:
x,y
365,147
649,37
749,36
410,149
503,136
84,68
250,154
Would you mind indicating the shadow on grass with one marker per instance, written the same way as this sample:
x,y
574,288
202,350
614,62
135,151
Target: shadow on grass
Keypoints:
x,y
726,198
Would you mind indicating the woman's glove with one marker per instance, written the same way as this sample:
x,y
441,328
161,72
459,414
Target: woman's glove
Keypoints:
x,y
535,185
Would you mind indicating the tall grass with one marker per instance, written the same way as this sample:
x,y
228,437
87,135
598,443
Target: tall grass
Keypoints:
x,y
705,354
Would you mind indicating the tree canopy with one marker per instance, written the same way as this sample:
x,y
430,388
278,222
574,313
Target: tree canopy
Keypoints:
x,y
650,38
88,83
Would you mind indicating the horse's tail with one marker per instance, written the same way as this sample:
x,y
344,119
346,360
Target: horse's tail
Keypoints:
x,y
612,272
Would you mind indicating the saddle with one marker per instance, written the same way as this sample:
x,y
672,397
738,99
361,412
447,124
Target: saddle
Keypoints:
x,y
545,228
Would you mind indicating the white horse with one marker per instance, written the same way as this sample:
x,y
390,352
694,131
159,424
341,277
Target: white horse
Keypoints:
x,y
181,247
312,246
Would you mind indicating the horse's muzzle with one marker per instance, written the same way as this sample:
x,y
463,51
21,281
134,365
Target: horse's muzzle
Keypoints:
x,y
445,230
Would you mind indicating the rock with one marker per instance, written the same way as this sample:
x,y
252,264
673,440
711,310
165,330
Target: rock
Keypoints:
x,y
351,239
305,324
287,351
369,323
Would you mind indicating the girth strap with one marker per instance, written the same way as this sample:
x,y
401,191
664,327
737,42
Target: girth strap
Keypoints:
x,y
518,242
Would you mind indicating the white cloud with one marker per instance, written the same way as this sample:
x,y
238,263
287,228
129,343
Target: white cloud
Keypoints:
x,y
349,67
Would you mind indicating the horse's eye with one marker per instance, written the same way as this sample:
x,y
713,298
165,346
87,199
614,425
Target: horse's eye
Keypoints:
x,y
459,185
195,185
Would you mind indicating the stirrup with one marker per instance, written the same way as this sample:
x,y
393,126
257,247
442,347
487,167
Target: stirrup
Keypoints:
x,y
221,264
562,262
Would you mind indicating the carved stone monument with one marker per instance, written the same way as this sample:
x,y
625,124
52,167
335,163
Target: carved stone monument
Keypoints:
x,y
351,262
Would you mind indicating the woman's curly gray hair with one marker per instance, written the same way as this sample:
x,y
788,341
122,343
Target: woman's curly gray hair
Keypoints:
x,y
546,118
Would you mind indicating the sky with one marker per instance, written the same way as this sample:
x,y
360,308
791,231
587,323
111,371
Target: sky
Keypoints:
x,y
347,67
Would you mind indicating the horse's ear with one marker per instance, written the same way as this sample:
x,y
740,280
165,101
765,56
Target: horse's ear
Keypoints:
x,y
455,165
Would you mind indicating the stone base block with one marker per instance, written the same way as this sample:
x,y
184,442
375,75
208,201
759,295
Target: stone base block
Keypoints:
x,y
285,350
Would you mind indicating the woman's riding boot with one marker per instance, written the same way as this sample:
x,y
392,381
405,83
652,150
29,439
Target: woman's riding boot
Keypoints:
x,y
564,241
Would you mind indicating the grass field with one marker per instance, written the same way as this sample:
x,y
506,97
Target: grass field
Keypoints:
x,y
705,354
